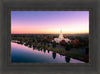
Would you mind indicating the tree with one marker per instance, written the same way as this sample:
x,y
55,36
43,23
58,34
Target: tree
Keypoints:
x,y
62,42
54,55
54,44
68,46
48,45
75,43
67,59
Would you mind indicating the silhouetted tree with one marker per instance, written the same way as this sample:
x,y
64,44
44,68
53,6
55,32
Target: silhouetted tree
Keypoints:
x,y
68,46
48,51
54,44
54,55
67,59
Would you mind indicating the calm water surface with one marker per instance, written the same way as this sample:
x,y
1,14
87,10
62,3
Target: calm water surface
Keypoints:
x,y
24,54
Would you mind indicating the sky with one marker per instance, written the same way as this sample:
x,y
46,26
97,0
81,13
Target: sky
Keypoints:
x,y
49,22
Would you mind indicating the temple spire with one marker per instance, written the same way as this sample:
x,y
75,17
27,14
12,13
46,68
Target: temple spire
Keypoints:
x,y
60,38
61,31
61,35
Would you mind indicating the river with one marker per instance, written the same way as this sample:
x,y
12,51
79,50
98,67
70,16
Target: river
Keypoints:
x,y
25,54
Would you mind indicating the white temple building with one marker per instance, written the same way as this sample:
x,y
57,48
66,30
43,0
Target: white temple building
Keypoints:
x,y
60,38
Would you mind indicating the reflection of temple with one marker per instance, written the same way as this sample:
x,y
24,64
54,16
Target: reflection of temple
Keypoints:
x,y
60,38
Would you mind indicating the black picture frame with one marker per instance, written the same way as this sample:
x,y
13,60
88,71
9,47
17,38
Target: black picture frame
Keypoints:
x,y
5,30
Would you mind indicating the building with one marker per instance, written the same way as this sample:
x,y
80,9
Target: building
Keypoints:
x,y
60,38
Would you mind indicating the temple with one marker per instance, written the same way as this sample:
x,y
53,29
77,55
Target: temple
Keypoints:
x,y
60,38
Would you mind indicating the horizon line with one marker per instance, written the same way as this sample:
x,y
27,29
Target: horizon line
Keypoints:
x,y
48,33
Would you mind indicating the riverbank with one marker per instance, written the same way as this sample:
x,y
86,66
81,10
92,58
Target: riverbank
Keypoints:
x,y
77,56
68,53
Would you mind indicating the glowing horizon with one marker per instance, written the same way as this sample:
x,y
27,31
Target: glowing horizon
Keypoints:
x,y
49,22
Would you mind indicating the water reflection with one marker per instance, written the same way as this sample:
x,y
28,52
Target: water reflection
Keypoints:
x,y
67,59
30,46
44,50
48,51
39,49
26,44
34,47
54,55
24,54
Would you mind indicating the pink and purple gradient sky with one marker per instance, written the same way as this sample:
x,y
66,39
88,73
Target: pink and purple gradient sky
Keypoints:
x,y
49,22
